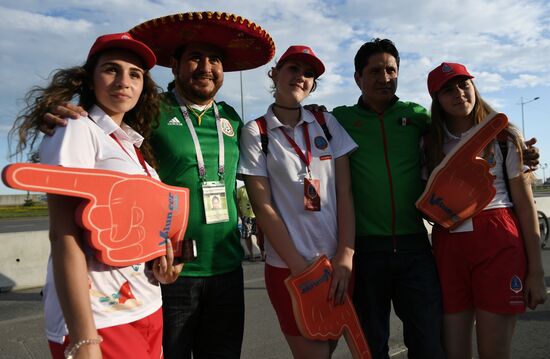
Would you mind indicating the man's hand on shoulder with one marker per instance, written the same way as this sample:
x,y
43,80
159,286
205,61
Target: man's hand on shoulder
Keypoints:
x,y
315,108
58,115
531,154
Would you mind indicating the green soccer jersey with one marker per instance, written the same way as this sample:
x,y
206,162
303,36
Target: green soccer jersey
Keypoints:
x,y
218,245
386,168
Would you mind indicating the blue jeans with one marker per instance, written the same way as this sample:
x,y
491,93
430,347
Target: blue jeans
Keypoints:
x,y
408,279
204,316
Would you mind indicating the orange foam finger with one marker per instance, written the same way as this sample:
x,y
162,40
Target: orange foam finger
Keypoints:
x,y
128,218
461,185
146,214
76,182
317,317
475,142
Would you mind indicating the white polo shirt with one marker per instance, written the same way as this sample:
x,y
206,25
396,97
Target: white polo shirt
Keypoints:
x,y
118,295
513,167
313,233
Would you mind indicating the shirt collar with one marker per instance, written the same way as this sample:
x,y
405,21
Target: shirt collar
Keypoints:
x,y
106,123
273,122
452,137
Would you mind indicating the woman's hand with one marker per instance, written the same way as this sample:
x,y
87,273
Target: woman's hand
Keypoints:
x,y
342,264
298,265
535,290
163,267
88,351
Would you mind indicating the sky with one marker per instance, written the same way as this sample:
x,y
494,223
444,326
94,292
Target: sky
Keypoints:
x,y
504,43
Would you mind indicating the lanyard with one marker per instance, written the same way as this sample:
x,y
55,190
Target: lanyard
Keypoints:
x,y
303,157
138,153
221,148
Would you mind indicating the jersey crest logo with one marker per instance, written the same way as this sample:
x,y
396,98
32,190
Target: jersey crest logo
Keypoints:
x,y
227,129
320,142
515,284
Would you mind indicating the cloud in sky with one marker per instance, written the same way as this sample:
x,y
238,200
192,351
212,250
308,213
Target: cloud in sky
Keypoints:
x,y
504,43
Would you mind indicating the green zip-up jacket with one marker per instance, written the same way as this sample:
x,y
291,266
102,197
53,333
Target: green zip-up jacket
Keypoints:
x,y
386,172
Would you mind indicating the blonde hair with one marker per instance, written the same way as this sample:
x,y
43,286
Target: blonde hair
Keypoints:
x,y
437,134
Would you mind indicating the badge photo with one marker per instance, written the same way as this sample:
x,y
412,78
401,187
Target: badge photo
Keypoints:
x,y
312,199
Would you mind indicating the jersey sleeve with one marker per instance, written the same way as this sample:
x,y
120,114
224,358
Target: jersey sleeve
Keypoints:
x,y
252,160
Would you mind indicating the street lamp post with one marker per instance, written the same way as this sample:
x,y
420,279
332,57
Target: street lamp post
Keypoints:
x,y
522,119
543,167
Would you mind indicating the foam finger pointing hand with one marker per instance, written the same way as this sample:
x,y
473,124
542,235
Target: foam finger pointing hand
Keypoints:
x,y
77,182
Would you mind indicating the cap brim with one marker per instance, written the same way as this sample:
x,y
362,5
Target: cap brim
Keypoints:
x,y
437,87
145,53
245,45
313,61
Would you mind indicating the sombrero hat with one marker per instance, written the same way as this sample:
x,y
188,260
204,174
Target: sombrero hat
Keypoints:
x,y
245,44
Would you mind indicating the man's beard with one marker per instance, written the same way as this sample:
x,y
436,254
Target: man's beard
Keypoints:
x,y
194,94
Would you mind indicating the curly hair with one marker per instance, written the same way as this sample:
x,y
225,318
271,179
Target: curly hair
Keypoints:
x,y
64,86
437,134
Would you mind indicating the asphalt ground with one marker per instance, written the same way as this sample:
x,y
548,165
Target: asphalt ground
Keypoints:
x,y
22,333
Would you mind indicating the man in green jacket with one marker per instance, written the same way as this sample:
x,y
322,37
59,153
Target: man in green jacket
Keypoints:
x,y
393,260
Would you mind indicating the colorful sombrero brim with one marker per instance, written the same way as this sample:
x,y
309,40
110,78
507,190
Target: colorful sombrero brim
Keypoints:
x,y
245,44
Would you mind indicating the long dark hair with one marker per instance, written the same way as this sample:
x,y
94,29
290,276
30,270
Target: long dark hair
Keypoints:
x,y
64,86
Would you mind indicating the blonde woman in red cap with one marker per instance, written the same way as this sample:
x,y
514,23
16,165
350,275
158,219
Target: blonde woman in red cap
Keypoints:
x,y
292,157
490,267
93,310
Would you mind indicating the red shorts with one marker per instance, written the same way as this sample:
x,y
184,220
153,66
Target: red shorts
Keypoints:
x,y
483,269
141,339
280,298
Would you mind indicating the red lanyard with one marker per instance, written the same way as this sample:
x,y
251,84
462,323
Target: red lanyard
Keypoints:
x,y
306,160
138,153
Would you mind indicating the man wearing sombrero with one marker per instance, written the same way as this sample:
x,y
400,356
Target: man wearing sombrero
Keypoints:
x,y
196,146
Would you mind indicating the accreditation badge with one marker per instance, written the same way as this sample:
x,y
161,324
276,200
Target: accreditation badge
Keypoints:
x,y
312,193
215,202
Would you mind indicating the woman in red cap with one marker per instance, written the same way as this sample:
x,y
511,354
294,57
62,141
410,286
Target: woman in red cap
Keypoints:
x,y
94,310
490,267
297,177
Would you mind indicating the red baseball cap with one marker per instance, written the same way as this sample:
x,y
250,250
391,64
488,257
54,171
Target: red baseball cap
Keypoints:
x,y
443,73
305,54
124,41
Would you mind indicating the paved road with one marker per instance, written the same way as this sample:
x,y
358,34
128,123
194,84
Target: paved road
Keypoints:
x,y
24,224
22,332
21,327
